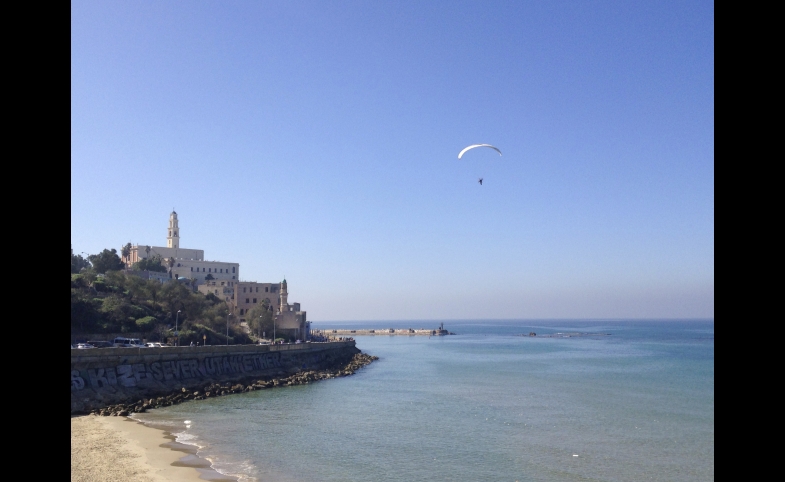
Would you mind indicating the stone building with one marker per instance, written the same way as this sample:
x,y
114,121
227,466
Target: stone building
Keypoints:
x,y
186,263
242,296
289,319
222,279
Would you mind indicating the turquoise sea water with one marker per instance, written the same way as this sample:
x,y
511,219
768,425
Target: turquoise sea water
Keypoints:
x,y
637,404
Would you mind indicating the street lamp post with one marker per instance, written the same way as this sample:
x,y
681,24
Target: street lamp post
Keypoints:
x,y
176,334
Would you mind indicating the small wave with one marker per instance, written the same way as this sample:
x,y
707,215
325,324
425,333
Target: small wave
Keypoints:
x,y
242,470
186,438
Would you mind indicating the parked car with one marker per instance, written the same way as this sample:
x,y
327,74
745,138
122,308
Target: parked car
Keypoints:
x,y
100,344
128,342
83,346
154,344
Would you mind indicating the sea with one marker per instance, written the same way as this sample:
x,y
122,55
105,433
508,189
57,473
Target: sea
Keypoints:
x,y
583,400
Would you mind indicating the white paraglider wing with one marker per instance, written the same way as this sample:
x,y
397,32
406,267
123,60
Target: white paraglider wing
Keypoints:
x,y
478,145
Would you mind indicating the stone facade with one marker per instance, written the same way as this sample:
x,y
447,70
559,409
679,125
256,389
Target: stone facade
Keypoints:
x,y
187,263
222,279
248,294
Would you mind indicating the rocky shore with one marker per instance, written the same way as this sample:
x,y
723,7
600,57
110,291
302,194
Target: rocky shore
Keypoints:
x,y
218,389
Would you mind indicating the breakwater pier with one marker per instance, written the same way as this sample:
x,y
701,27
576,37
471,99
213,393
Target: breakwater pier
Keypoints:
x,y
440,331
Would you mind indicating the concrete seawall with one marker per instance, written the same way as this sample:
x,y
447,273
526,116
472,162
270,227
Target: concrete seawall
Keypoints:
x,y
105,376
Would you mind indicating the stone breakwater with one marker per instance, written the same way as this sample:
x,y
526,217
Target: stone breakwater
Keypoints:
x,y
108,377
385,331
222,389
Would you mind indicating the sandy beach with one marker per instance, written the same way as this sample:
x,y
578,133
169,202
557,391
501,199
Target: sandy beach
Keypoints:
x,y
121,449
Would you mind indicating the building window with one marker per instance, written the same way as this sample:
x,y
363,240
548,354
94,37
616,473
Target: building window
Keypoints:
x,y
247,301
233,271
232,277
254,300
209,270
241,311
192,269
222,283
243,290
266,289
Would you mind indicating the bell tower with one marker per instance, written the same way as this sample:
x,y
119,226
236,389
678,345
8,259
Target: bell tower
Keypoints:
x,y
284,294
173,239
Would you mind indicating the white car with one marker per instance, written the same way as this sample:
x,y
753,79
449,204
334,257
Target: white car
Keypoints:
x,y
83,346
154,344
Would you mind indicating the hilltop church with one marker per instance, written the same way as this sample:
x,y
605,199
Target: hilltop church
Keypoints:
x,y
188,263
222,279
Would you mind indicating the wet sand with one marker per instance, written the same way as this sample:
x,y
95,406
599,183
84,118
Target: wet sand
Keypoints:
x,y
121,449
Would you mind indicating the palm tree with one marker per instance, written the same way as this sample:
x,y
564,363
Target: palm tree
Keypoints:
x,y
126,252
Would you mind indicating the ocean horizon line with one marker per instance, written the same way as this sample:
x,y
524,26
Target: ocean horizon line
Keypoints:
x,y
438,320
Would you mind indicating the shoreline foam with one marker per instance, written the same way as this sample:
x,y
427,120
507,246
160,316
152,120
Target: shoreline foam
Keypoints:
x,y
124,449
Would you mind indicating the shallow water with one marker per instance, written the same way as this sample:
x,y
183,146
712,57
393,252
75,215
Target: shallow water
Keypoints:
x,y
485,404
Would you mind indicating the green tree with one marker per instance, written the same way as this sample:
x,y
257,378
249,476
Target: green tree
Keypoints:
x,y
153,289
78,263
106,260
146,324
126,252
120,314
177,296
136,287
152,263
260,318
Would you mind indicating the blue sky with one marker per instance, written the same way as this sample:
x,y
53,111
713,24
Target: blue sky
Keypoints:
x,y
318,140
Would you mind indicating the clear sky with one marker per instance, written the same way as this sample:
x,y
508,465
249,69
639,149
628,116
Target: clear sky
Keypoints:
x,y
318,140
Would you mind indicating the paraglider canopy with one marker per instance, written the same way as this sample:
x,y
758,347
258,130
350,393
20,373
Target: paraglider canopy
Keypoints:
x,y
478,145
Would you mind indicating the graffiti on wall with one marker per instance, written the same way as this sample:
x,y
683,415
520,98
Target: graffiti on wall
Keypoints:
x,y
140,374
